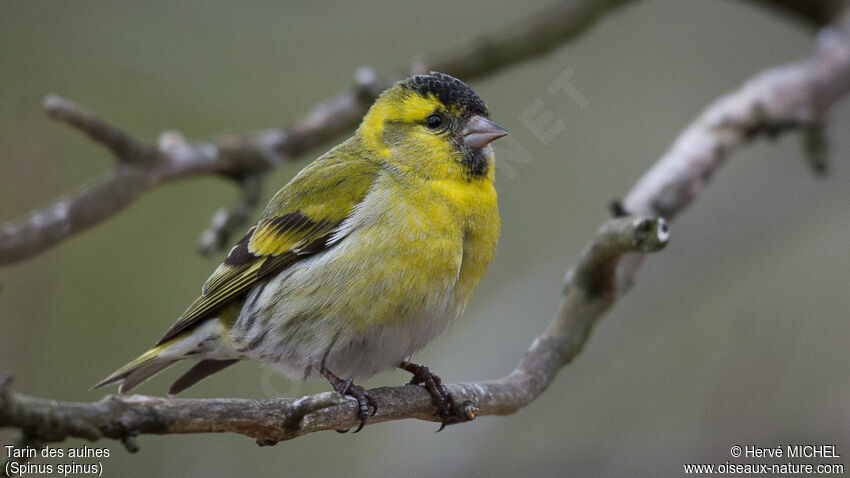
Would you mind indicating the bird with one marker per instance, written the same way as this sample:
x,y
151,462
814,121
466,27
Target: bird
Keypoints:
x,y
362,258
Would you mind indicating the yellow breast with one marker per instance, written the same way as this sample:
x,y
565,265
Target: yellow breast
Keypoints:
x,y
475,205
415,252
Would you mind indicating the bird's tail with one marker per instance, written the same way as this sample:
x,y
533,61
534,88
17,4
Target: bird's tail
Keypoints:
x,y
204,342
144,367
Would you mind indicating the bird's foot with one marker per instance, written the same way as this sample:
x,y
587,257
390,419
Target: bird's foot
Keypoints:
x,y
365,402
444,400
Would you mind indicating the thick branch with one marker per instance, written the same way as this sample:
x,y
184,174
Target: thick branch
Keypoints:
x,y
793,96
142,166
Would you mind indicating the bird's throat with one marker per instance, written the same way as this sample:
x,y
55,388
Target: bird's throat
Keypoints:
x,y
476,163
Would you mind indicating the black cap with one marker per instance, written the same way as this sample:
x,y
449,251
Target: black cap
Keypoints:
x,y
449,90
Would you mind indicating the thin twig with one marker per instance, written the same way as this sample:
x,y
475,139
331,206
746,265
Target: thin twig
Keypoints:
x,y
227,221
125,147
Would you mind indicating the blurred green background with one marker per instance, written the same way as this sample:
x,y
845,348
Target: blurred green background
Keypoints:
x,y
737,333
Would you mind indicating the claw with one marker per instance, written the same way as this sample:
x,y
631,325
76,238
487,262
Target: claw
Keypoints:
x,y
362,422
364,400
442,398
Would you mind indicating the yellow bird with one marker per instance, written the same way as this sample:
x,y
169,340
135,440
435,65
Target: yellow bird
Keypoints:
x,y
365,256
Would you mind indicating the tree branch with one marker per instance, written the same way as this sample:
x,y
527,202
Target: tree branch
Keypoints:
x,y
141,166
227,221
793,96
814,12
270,421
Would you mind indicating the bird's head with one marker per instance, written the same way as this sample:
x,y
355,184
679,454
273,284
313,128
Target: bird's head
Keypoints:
x,y
434,126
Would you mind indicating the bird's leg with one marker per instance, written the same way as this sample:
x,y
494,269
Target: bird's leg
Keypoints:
x,y
444,400
347,387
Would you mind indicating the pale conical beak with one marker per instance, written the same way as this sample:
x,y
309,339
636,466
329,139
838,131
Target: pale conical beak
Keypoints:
x,y
479,132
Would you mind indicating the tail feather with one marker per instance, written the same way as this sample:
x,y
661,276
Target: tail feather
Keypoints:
x,y
203,342
109,380
142,361
200,371
142,373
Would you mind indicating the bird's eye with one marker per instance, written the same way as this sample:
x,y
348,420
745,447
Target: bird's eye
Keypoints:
x,y
434,121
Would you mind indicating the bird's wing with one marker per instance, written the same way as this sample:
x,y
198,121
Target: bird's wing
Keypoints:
x,y
299,221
